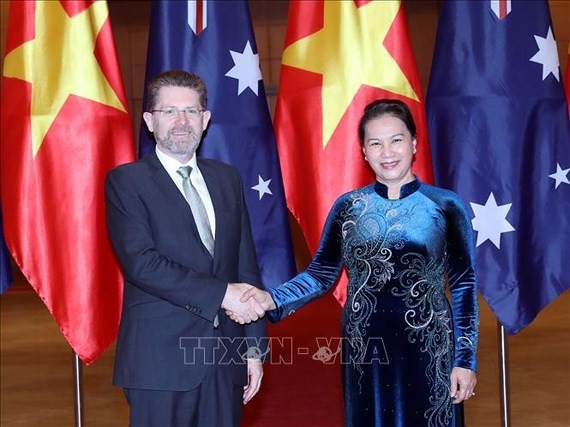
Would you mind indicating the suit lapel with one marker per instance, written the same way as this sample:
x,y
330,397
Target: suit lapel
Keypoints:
x,y
168,188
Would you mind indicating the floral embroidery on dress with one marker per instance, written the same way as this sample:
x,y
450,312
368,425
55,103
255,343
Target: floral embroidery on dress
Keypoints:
x,y
422,288
369,236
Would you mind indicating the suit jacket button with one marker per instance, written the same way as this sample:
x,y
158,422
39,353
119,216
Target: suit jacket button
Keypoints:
x,y
188,307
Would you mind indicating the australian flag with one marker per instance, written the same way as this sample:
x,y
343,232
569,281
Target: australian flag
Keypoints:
x,y
215,40
500,137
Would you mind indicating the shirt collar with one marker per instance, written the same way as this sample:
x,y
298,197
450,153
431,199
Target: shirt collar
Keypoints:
x,y
171,165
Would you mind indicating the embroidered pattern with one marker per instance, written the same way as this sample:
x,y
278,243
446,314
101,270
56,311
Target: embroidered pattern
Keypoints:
x,y
422,288
370,237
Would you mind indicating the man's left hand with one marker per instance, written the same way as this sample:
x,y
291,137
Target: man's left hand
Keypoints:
x,y
254,375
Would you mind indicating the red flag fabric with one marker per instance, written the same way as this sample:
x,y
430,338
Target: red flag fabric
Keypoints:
x,y
64,124
338,57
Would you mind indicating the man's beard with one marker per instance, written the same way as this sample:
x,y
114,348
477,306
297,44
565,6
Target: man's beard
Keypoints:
x,y
179,146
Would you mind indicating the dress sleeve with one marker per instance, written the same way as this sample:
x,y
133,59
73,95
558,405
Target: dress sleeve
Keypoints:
x,y
462,285
320,275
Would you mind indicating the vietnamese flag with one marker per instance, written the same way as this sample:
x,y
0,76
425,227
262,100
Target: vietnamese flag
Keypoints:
x,y
338,57
64,124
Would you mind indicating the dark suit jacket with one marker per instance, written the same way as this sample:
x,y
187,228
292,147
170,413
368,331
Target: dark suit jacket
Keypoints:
x,y
173,287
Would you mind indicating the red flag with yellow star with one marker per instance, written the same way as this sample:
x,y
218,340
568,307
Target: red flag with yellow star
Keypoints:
x,y
64,124
338,57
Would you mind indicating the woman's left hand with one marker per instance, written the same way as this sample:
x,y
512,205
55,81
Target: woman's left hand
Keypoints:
x,y
463,383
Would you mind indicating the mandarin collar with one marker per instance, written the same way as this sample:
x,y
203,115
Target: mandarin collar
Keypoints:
x,y
405,190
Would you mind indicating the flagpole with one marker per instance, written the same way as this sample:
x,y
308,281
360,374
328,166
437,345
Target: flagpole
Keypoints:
x,y
78,389
504,376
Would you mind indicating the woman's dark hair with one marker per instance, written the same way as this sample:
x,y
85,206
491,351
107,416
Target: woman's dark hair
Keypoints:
x,y
386,107
176,78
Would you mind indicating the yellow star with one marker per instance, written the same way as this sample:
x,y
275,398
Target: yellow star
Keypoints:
x,y
348,52
60,62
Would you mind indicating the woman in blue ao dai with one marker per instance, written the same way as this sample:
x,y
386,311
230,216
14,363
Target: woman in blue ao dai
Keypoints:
x,y
409,355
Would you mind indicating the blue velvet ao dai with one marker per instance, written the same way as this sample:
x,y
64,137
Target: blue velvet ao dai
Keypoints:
x,y
402,336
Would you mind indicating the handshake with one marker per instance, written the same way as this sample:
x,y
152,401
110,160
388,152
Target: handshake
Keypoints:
x,y
245,303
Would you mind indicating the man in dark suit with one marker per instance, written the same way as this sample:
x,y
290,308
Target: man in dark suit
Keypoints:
x,y
180,228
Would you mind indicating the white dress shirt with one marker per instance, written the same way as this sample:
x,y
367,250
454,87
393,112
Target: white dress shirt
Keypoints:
x,y
171,165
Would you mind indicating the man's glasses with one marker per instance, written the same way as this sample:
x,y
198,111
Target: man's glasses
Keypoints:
x,y
172,112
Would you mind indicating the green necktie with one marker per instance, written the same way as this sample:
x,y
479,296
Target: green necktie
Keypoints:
x,y
197,207
199,213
